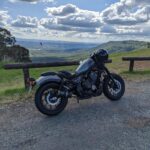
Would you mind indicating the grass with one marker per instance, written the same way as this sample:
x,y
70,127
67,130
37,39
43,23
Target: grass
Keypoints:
x,y
12,85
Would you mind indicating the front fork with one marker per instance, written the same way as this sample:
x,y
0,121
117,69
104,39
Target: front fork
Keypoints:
x,y
110,76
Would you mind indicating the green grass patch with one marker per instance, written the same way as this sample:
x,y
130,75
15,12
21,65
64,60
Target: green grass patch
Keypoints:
x,y
10,92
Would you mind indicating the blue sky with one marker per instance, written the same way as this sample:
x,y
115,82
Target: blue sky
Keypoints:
x,y
76,20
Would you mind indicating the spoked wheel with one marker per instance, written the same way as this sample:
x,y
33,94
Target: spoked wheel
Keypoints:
x,y
114,91
47,100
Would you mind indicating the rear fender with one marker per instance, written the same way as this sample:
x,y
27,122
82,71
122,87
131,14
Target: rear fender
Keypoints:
x,y
46,79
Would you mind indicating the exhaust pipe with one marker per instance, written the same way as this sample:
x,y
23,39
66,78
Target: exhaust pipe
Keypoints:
x,y
64,94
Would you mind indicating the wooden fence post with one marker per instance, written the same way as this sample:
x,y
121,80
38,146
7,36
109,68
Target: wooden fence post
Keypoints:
x,y
131,65
26,77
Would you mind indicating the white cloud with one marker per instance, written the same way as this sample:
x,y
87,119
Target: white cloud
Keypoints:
x,y
135,2
70,17
129,30
62,10
48,1
127,12
25,22
129,18
125,19
4,17
32,1
108,29
52,24
80,20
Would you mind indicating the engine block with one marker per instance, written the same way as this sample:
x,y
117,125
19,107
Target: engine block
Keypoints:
x,y
87,85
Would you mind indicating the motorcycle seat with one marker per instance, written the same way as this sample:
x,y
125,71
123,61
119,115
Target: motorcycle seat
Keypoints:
x,y
61,74
65,74
48,73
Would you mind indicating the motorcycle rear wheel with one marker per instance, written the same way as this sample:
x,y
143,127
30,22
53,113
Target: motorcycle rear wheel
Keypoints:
x,y
47,102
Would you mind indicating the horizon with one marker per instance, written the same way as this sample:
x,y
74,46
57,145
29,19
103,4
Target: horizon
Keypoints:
x,y
84,42
98,21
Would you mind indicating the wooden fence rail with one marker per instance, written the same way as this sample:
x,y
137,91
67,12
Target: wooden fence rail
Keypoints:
x,y
133,59
26,66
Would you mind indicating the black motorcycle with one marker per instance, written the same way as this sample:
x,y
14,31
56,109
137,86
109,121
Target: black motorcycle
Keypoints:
x,y
90,79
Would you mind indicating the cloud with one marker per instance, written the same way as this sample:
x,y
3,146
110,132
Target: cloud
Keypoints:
x,y
25,22
127,12
62,10
4,17
108,29
48,1
32,1
80,20
70,17
135,2
125,19
52,24
129,18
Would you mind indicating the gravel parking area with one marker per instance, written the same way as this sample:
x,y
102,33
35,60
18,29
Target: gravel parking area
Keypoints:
x,y
94,124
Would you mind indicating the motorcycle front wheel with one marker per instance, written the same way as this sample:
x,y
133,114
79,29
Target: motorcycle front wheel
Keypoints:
x,y
113,91
47,100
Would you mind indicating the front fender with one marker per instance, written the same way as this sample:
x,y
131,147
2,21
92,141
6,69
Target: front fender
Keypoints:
x,y
45,79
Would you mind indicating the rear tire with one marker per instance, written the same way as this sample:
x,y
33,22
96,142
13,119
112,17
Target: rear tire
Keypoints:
x,y
110,91
40,104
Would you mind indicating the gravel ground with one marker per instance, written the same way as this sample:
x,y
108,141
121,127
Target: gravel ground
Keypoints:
x,y
94,124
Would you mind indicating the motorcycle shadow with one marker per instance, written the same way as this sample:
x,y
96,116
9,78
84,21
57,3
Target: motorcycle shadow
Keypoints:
x,y
90,109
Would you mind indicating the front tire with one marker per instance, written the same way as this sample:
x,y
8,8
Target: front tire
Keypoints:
x,y
111,91
45,101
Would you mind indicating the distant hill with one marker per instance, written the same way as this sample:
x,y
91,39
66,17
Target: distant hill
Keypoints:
x,y
54,46
58,50
122,46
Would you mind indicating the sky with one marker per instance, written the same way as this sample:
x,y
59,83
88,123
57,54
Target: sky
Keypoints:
x,y
77,20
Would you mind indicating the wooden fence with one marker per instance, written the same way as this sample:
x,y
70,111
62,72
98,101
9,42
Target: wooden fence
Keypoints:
x,y
26,66
133,59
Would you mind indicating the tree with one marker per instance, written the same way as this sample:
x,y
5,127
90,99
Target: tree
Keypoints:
x,y
6,38
9,51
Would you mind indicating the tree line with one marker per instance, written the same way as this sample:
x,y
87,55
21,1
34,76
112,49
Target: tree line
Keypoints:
x,y
9,51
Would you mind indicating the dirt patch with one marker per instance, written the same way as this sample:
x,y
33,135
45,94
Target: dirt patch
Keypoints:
x,y
138,122
142,65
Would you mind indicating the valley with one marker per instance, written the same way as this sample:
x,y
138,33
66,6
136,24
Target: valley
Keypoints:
x,y
47,51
